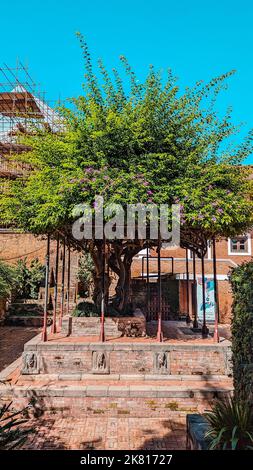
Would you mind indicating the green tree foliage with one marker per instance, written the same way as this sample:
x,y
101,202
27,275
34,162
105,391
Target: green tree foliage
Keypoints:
x,y
134,142
242,330
7,278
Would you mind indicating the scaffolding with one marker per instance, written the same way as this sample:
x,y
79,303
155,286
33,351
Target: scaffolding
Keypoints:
x,y
23,109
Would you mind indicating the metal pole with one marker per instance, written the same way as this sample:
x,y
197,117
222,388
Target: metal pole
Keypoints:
x,y
216,300
54,329
102,319
205,330
44,331
194,297
148,286
62,283
188,319
68,279
159,326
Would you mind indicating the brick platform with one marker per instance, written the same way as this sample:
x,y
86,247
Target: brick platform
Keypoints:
x,y
110,411
124,393
134,326
70,355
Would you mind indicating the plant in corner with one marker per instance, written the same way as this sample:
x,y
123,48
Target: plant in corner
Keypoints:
x,y
12,436
230,425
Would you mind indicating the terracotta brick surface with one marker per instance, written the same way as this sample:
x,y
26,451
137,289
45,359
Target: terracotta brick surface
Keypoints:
x,y
112,433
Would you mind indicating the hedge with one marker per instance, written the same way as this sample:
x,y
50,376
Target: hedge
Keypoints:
x,y
241,279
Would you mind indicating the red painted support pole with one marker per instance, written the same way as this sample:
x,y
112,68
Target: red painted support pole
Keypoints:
x,y
68,279
62,284
54,329
205,330
216,300
102,319
159,328
188,318
194,296
148,286
44,331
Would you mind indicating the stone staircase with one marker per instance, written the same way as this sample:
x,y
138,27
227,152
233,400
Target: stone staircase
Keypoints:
x,y
133,395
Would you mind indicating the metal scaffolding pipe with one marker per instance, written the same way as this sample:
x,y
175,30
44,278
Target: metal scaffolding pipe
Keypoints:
x,y
44,331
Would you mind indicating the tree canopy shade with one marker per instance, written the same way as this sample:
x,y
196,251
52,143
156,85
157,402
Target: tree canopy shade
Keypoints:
x,y
139,142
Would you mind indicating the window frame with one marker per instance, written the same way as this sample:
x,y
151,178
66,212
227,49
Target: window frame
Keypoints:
x,y
240,253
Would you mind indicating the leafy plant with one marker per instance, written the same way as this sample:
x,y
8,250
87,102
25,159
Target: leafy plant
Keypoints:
x,y
85,274
7,279
231,425
28,279
12,435
86,309
241,279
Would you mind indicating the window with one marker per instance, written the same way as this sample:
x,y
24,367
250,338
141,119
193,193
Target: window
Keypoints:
x,y
239,245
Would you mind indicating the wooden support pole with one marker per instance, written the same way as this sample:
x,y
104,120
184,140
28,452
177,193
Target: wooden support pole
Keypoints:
x,y
159,326
62,283
44,331
148,286
205,330
54,329
216,299
188,318
194,292
102,318
68,279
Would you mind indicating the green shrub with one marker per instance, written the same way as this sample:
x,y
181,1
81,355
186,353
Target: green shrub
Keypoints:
x,y
7,279
86,309
85,275
12,435
28,279
230,425
241,279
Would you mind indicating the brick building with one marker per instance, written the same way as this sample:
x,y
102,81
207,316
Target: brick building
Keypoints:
x,y
229,254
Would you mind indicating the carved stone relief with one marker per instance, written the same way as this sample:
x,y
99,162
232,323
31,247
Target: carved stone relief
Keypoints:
x,y
100,362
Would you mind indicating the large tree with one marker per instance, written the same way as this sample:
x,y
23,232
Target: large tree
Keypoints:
x,y
134,142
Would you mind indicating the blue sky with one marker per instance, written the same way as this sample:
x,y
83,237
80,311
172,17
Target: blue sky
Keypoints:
x,y
198,39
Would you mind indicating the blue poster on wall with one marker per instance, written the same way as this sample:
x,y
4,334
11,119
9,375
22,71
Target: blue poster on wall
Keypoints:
x,y
209,297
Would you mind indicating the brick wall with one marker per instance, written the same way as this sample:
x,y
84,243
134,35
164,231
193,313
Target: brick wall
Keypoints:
x,y
130,358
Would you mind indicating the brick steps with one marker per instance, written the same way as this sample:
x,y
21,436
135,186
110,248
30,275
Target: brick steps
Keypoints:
x,y
129,378
89,385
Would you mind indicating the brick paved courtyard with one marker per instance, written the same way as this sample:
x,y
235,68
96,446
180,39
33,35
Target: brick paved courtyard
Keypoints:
x,y
12,340
109,433
131,412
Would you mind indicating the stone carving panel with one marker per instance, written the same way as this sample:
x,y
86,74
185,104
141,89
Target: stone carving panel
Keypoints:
x,y
161,362
100,362
30,363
